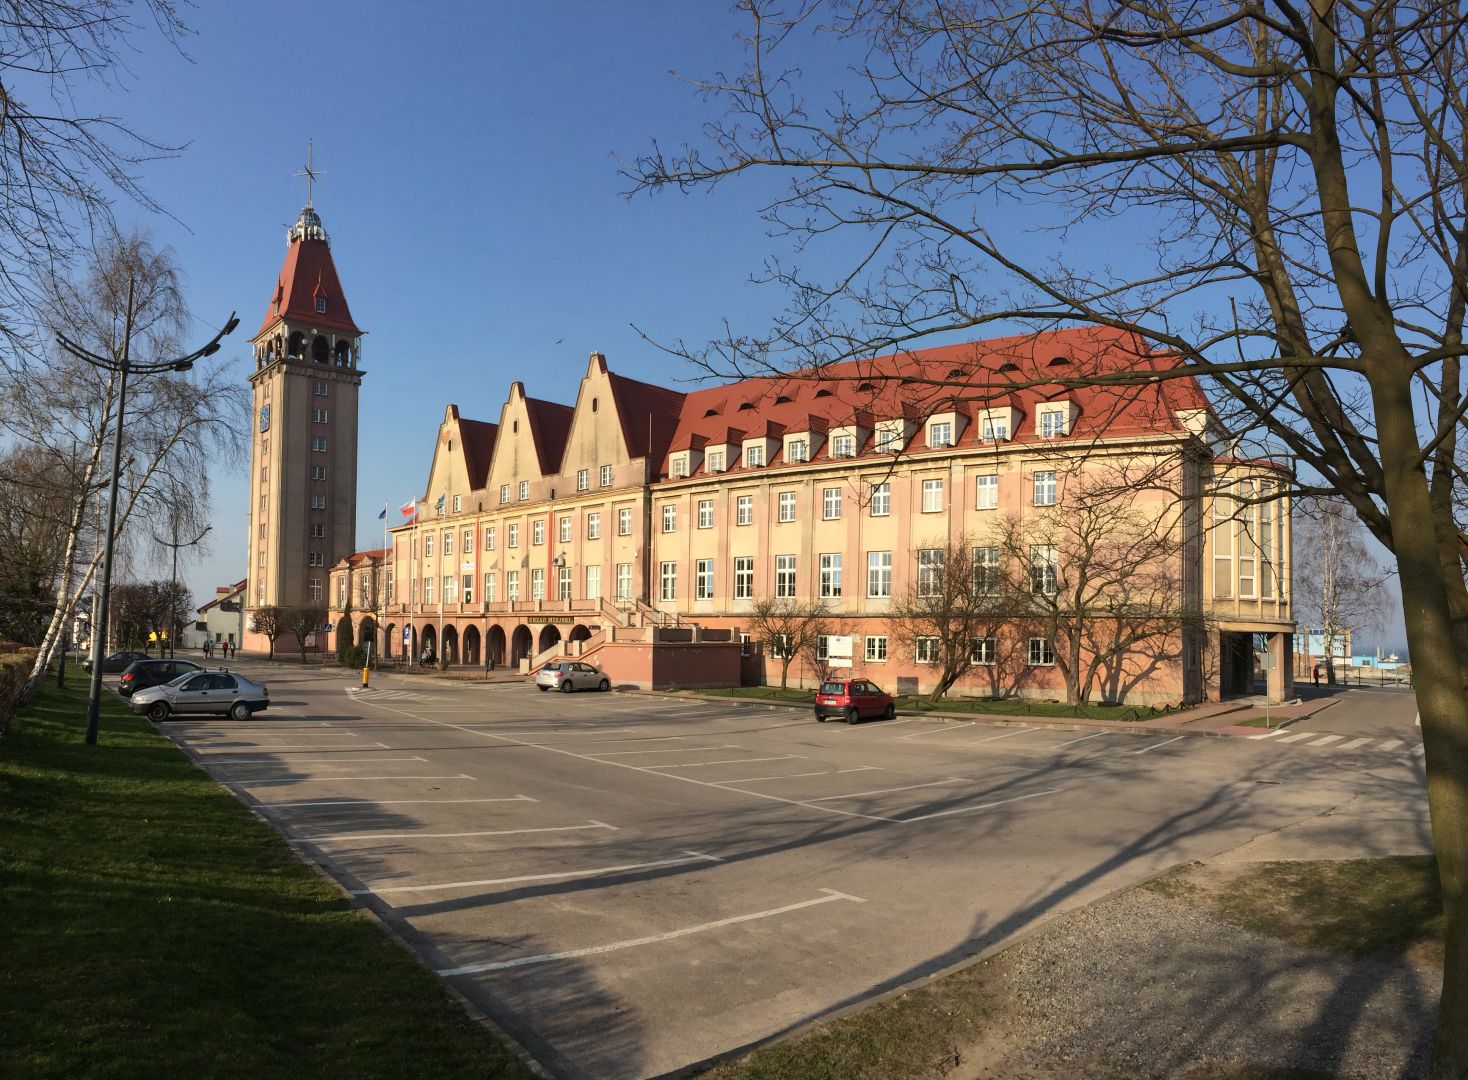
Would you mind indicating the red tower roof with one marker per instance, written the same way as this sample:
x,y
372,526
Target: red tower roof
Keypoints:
x,y
309,276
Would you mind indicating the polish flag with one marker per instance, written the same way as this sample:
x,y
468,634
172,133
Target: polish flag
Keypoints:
x,y
408,509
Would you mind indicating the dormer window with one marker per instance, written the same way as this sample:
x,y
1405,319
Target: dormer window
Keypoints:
x,y
321,305
799,450
754,455
680,467
716,461
843,446
1053,420
940,435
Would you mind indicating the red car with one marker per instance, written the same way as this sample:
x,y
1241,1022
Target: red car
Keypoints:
x,y
853,700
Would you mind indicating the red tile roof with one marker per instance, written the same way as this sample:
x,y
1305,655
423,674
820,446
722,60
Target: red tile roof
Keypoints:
x,y
966,379
309,273
649,415
478,441
550,426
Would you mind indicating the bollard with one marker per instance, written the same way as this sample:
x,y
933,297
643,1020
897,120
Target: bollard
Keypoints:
x,y
364,678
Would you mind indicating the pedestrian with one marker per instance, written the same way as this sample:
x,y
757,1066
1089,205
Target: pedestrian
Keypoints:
x,y
207,644
229,649
1317,674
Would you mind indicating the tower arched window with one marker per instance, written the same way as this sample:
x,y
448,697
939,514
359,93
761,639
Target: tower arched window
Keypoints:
x,y
297,348
320,349
343,353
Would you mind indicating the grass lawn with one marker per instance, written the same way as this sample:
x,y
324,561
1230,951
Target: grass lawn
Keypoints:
x,y
151,926
980,706
1261,721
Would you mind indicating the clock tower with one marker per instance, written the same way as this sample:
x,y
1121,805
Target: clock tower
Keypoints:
x,y
303,458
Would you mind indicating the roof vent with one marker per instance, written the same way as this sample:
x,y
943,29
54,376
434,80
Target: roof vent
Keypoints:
x,y
864,386
823,392
745,406
784,399
1059,361
1008,367
955,373
710,412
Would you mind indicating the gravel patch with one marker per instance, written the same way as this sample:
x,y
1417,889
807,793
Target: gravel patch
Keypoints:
x,y
1151,985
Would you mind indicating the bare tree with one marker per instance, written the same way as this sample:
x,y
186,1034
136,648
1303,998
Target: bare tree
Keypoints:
x,y
953,610
1292,181
1339,584
269,623
789,627
34,502
303,622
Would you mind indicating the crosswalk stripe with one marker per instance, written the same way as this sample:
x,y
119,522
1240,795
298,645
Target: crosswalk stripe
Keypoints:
x,y
1417,751
1354,743
1269,734
1301,735
1328,740
1392,744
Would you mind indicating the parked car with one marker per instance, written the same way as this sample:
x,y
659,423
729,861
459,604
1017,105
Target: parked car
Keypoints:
x,y
218,692
118,661
141,674
853,700
567,675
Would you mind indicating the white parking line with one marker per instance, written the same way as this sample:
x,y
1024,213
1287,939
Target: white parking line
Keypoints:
x,y
981,806
544,958
1007,734
1154,746
339,779
395,802
796,776
884,791
674,750
1084,738
724,761
295,761
693,856
840,730
1327,740
939,727
455,835
543,734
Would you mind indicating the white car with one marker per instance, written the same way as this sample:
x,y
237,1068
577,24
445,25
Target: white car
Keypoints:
x,y
221,692
567,675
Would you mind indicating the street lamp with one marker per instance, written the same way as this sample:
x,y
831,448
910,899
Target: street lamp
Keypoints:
x,y
123,368
173,583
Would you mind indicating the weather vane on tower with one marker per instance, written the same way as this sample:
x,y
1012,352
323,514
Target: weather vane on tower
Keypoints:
x,y
310,172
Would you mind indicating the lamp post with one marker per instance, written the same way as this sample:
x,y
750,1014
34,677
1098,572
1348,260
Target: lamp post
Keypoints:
x,y
122,368
173,584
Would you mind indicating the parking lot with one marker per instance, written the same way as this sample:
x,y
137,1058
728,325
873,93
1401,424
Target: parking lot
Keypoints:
x,y
630,883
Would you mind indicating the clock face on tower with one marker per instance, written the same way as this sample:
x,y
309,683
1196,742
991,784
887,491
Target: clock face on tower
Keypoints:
x,y
264,417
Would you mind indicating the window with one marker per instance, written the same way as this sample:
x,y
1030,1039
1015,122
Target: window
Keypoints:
x,y
881,500
986,491
1223,545
716,461
512,585
670,518
458,503
261,560
705,513
831,575
930,571
606,476
427,547
341,592
583,479
449,593
513,534
593,526
703,579
537,584
744,577
563,583
321,305
489,531
1044,570
680,467
667,581
986,571
940,434
1052,424
624,522
468,590
843,446
448,543
524,490
391,596
787,506
428,590
1041,652
504,493
593,582
932,496
265,473
1266,541
983,651
831,503
889,440
925,650
784,576
318,444
318,472
565,529
318,531
782,646
995,428
876,649
744,510
489,588
624,581
879,574
754,456
1044,488
313,588
319,416
318,388
823,647
468,541
799,450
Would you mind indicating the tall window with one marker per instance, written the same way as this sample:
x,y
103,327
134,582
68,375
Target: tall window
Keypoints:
x,y
458,503
468,541
489,588
785,576
593,526
313,589
449,592
524,490
624,581
537,531
787,506
583,479
1266,540
879,574
513,534
930,571
743,509
667,581
565,528
1042,653
428,547
831,575
831,503
670,518
705,513
986,571
537,584
563,583
504,493
428,590
593,582
448,543
986,491
468,588
489,531
1223,544
744,577
512,585
1045,488
624,522
881,504
754,456
606,476
703,579
1044,569
932,495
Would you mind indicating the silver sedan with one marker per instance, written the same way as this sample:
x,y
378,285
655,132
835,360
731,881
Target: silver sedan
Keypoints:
x,y
568,675
219,692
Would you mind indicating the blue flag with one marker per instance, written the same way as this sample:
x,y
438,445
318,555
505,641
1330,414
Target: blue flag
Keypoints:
x,y
439,505
382,516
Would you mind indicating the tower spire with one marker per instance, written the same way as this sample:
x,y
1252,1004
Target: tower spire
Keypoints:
x,y
308,224
309,172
